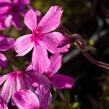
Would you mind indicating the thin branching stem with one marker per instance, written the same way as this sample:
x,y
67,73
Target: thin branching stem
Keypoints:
x,y
81,45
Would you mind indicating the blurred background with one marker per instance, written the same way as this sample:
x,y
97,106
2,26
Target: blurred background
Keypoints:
x,y
90,19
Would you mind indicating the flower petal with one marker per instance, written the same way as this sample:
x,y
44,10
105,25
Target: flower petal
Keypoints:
x,y
3,61
41,79
23,45
44,96
61,81
16,21
6,1
3,104
4,7
6,91
55,64
21,2
6,43
51,20
8,21
29,68
51,41
30,20
2,26
26,99
40,60
3,78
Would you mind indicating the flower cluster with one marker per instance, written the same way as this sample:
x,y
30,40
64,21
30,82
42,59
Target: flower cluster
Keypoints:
x,y
31,88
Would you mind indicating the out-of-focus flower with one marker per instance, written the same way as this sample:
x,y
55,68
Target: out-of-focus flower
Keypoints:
x,y
3,104
4,24
26,99
10,12
42,38
3,61
14,81
5,44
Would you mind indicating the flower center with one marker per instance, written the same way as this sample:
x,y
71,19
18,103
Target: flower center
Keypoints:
x,y
13,9
35,36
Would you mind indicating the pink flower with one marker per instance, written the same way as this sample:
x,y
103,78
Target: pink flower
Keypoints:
x,y
59,81
26,99
3,104
5,44
15,81
51,78
42,37
10,12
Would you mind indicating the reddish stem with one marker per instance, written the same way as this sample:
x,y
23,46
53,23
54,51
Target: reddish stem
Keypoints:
x,y
79,41
81,45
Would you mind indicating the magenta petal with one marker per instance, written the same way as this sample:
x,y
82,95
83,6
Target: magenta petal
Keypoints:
x,y
41,79
6,43
26,99
55,64
21,2
52,40
20,84
51,20
8,21
29,68
3,78
14,81
25,1
3,104
16,21
3,61
4,7
30,20
5,22
2,26
23,45
7,89
40,60
7,1
61,81
44,96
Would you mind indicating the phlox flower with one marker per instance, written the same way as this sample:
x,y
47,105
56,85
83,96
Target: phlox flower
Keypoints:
x,y
10,12
58,81
5,44
14,81
42,38
26,99
51,78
